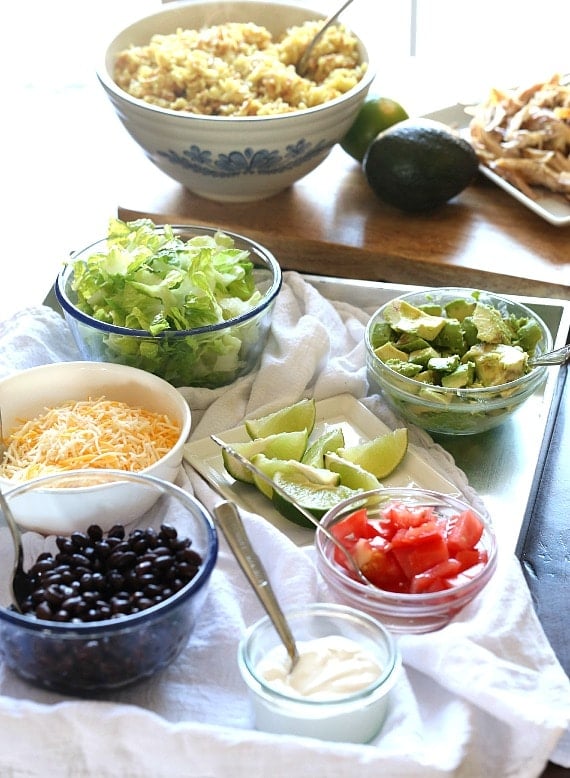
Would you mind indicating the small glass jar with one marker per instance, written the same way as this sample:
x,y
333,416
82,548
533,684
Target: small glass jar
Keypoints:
x,y
356,717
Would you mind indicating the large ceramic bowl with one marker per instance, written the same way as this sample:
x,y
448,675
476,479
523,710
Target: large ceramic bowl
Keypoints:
x,y
453,410
413,589
208,354
29,394
230,158
108,608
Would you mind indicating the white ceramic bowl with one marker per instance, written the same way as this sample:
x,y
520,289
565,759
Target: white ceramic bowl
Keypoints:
x,y
233,159
354,717
26,395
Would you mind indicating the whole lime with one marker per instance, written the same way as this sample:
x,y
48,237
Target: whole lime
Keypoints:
x,y
375,114
419,164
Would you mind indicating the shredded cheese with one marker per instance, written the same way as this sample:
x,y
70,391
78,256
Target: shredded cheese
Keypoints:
x,y
90,433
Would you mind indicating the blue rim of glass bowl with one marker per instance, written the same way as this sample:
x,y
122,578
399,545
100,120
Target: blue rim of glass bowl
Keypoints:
x,y
260,251
135,620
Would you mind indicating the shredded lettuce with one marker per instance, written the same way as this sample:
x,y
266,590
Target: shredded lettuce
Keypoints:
x,y
156,282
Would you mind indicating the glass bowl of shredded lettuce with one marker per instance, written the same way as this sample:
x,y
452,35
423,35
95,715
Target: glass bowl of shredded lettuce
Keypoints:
x,y
190,304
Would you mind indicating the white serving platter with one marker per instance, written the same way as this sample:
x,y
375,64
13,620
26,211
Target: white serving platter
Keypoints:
x,y
358,425
553,208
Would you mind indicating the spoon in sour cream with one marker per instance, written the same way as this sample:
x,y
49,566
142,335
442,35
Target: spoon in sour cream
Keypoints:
x,y
229,521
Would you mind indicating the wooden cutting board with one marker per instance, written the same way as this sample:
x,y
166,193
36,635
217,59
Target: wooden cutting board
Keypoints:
x,y
331,223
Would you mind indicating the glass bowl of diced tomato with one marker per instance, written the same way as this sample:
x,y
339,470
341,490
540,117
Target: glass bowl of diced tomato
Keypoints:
x,y
425,554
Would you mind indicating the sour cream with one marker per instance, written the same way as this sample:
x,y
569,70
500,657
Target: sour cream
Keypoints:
x,y
329,668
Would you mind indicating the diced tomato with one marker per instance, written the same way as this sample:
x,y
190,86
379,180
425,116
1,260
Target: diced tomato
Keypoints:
x,y
467,557
383,570
413,549
355,526
464,531
435,579
411,536
403,516
418,558
466,575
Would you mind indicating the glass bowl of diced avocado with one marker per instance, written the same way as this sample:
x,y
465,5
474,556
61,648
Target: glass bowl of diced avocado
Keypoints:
x,y
454,360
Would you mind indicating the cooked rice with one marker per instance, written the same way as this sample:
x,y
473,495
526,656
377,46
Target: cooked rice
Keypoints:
x,y
237,69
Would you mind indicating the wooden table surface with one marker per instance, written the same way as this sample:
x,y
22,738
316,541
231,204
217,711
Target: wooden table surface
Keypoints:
x,y
331,223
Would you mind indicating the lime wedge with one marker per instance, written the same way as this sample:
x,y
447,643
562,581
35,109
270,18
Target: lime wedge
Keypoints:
x,y
299,416
351,474
314,498
288,468
381,455
330,440
284,445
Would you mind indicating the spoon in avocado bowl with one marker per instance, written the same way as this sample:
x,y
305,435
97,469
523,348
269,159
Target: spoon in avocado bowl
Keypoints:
x,y
307,514
560,356
301,66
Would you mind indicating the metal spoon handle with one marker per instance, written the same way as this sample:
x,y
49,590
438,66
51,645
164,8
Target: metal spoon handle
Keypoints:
x,y
229,521
557,357
20,583
307,514
302,63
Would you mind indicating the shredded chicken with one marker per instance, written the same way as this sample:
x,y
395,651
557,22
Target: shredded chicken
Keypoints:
x,y
524,136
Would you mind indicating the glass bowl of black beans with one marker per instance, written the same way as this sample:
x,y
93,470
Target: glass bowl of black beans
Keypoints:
x,y
105,609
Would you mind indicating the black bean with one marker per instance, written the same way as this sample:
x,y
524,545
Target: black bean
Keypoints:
x,y
96,576
95,532
79,539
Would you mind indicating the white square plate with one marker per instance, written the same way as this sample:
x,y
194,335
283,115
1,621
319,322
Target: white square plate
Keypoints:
x,y
358,425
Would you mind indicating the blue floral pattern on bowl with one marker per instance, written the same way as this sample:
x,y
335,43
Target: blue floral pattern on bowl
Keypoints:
x,y
248,162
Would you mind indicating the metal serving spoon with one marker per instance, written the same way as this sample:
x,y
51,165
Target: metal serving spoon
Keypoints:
x,y
20,587
3,444
301,66
309,516
557,357
229,521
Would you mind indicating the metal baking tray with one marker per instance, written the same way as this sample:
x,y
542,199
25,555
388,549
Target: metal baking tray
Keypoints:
x,y
500,464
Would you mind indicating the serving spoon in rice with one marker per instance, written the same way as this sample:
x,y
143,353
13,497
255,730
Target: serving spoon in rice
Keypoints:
x,y
303,62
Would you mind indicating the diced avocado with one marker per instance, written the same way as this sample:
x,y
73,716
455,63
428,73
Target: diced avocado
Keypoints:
x,y
426,377
423,355
432,308
426,393
404,317
528,335
497,363
451,337
408,369
491,327
444,364
409,341
389,351
381,333
460,308
460,378
469,331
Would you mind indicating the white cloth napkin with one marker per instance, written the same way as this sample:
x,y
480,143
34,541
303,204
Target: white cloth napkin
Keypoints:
x,y
485,696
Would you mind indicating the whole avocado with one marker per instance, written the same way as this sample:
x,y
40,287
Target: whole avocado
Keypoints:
x,y
419,164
